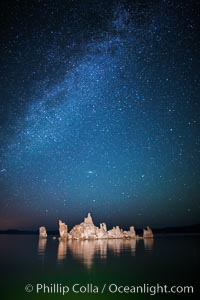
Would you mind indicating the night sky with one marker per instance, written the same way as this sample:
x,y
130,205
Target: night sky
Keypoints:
x,y
99,113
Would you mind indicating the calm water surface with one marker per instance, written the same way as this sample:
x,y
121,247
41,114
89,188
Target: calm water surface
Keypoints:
x,y
25,259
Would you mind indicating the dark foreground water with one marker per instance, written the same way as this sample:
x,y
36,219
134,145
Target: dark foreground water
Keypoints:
x,y
82,269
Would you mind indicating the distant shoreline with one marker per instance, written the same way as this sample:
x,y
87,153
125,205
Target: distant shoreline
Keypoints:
x,y
166,230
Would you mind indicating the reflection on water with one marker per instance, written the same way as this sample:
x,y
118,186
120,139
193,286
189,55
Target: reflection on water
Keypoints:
x,y
42,243
115,246
131,247
86,251
148,243
102,248
62,251
25,258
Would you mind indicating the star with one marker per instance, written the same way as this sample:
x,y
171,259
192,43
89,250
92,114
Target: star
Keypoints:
x,y
90,172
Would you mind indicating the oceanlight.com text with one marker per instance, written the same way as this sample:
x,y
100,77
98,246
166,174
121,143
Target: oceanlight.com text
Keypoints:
x,y
111,288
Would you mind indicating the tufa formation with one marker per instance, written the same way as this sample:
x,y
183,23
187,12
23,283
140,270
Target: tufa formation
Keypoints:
x,y
88,231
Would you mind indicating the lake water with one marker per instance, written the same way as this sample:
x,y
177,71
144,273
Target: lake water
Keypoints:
x,y
85,267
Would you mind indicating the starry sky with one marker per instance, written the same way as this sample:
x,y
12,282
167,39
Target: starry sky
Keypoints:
x,y
99,112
